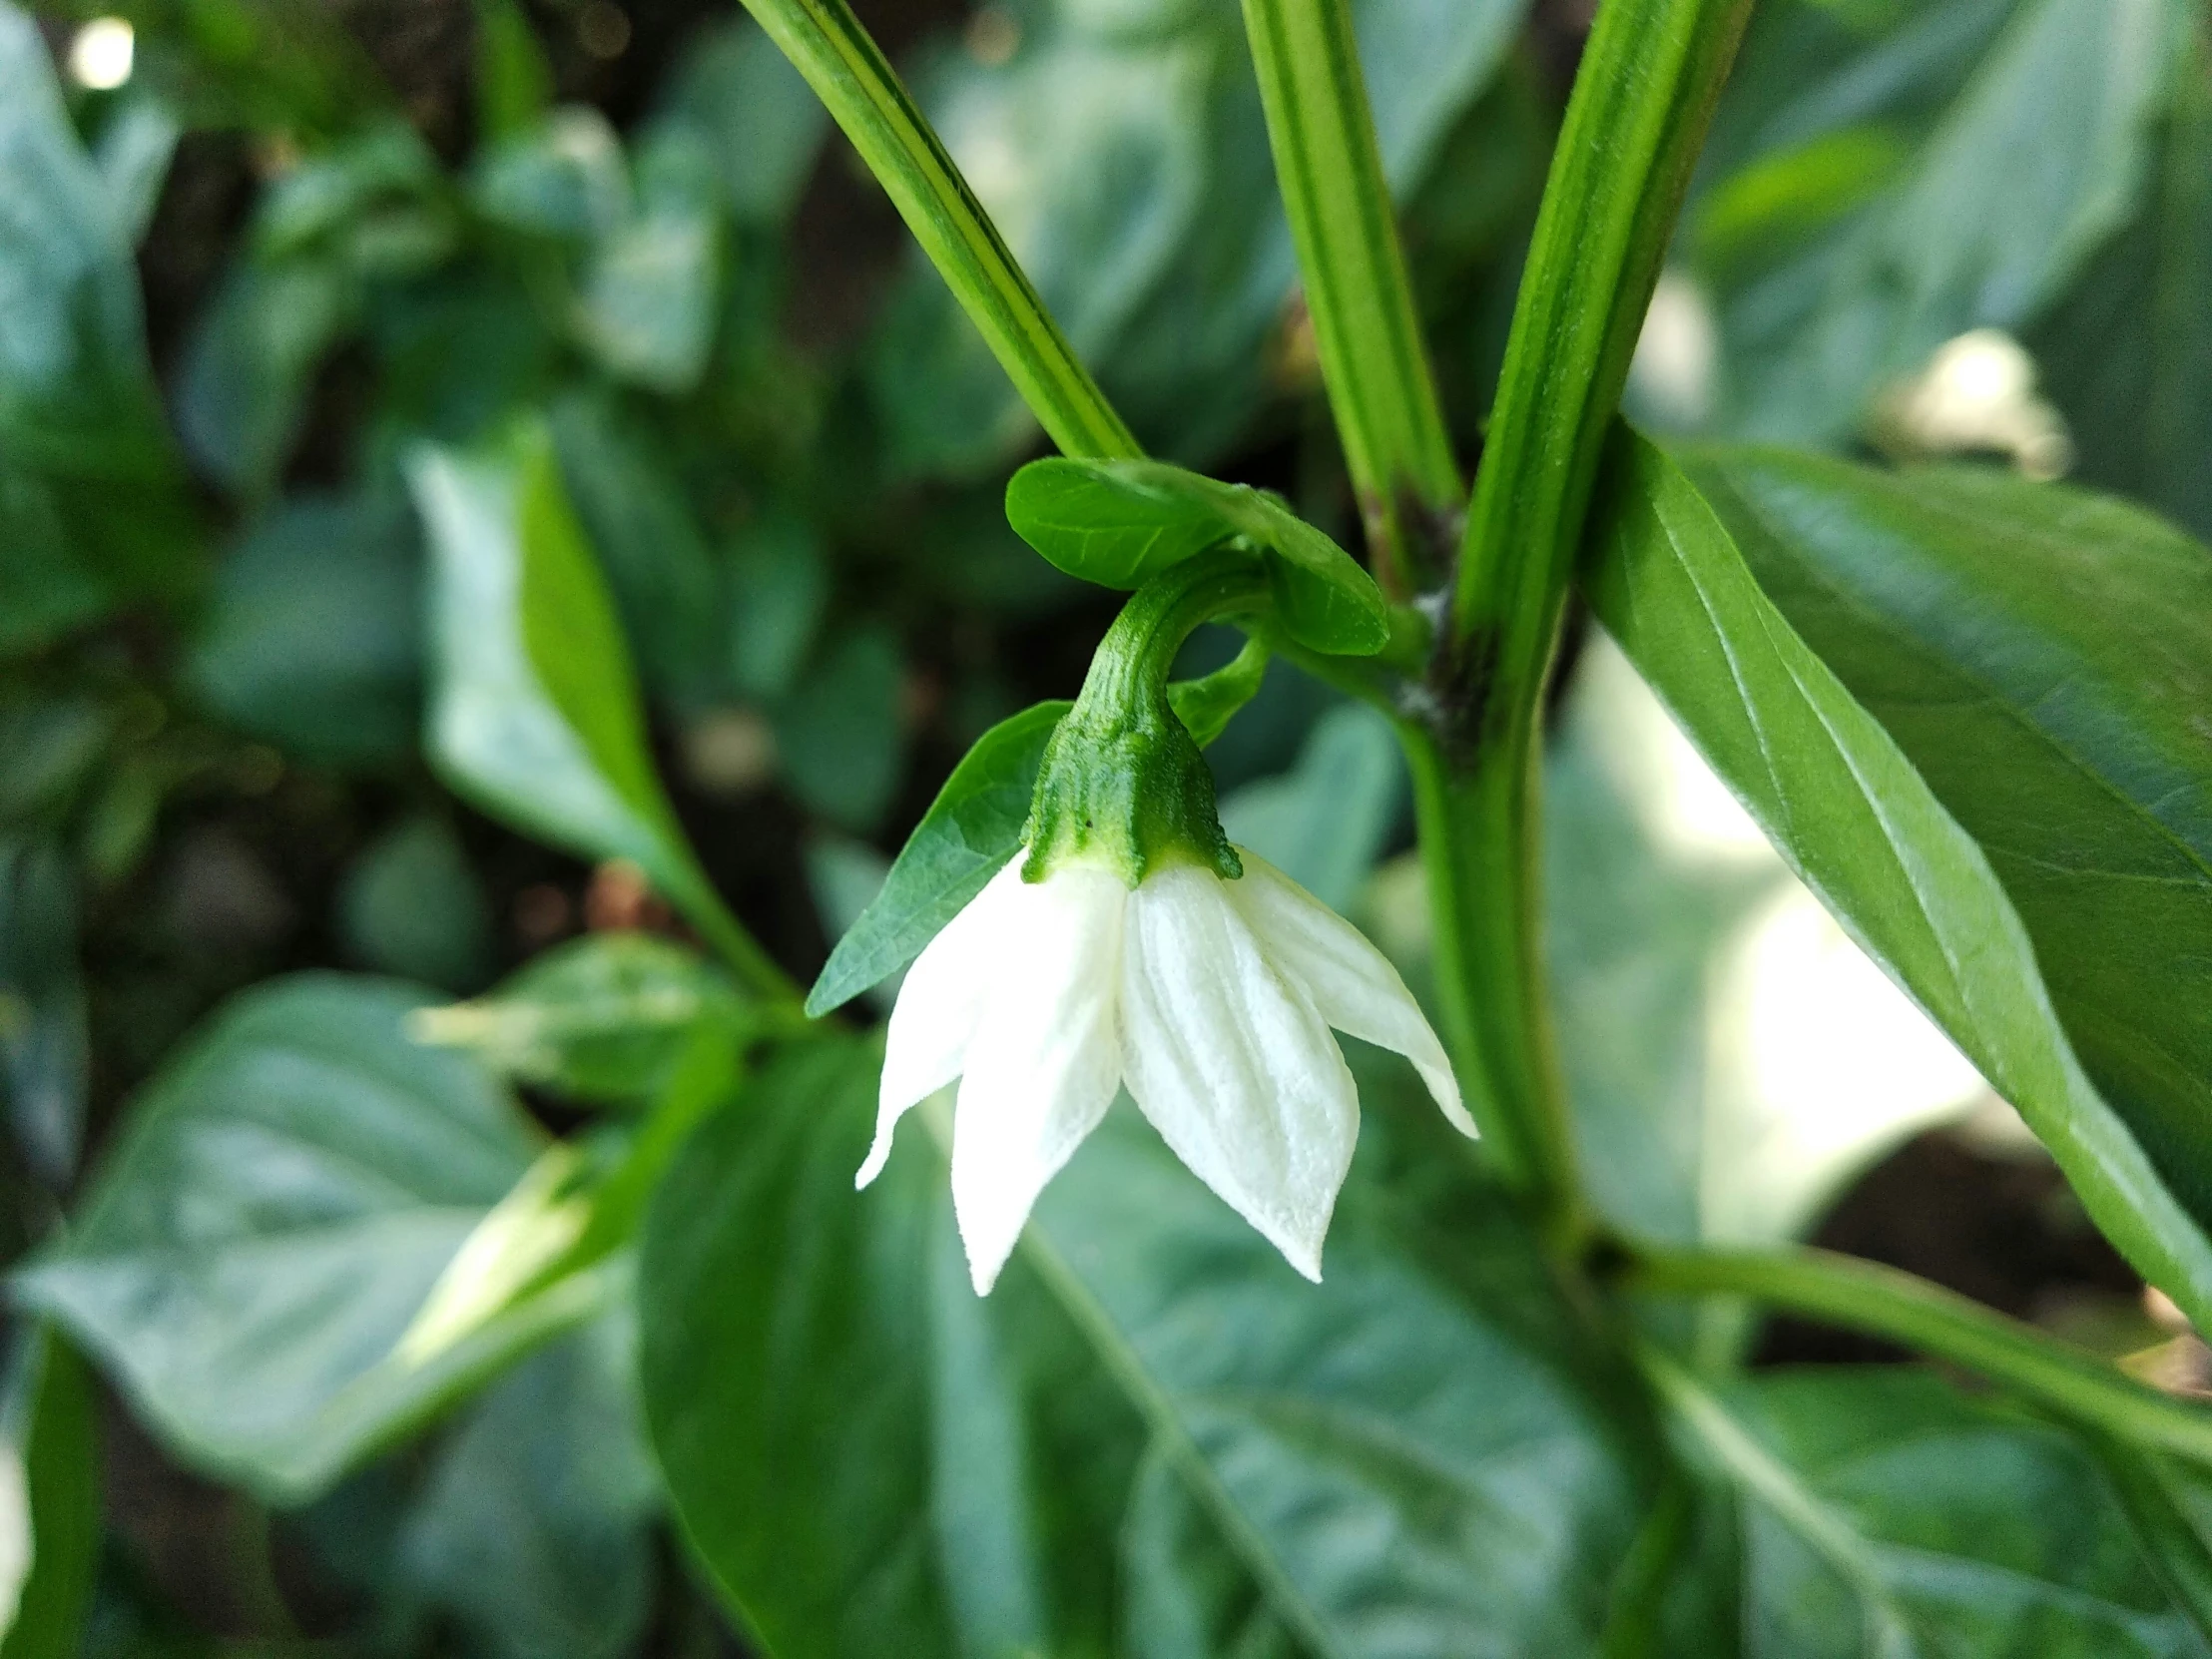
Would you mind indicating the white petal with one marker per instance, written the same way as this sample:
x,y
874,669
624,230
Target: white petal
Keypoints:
x,y
1044,1063
939,1009
1350,983
1232,1063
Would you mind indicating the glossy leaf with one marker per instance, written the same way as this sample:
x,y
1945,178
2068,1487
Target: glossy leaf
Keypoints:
x,y
607,1018
1118,523
2027,131
970,830
284,1196
49,1500
2043,657
534,710
1881,1513
1863,829
1406,1454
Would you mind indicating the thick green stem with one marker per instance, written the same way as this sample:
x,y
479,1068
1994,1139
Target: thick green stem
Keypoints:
x,y
1486,907
1357,292
1881,1301
827,45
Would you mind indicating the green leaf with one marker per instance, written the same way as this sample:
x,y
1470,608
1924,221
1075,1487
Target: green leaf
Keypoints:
x,y
44,1051
1119,523
1864,829
1323,823
605,1018
648,304
251,360
284,1196
1207,703
757,118
514,82
840,738
136,145
970,830
534,1529
1881,1513
411,907
2043,657
1406,1454
2030,149
49,1500
534,712
76,391
312,638
778,597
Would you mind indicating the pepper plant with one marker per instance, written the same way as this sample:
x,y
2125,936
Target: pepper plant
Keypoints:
x,y
1403,1382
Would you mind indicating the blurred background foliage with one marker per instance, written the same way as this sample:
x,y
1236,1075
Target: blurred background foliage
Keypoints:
x,y
255,255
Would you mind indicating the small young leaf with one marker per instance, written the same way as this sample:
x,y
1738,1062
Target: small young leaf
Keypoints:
x,y
968,833
1119,523
603,1018
1206,706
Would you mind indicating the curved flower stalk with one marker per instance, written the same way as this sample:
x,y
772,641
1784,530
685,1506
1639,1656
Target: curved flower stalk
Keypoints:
x,y
1211,999
1131,944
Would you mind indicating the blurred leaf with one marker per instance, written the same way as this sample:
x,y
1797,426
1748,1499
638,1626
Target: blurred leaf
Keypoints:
x,y
251,360
52,745
1881,1513
649,300
1403,1455
2043,657
76,393
282,1197
514,82
49,1501
375,203
534,712
133,155
44,1053
840,734
759,120
313,639
970,830
607,1018
844,877
564,177
411,907
2127,355
1866,834
1326,821
1119,523
2026,150
663,576
458,357
533,1527
779,596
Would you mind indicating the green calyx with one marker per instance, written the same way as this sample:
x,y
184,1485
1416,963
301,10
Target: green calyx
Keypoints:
x,y
1123,784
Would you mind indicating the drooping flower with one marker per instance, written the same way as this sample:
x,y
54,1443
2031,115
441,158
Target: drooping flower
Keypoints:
x,y
1210,997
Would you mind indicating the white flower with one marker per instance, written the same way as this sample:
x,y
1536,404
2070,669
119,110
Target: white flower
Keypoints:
x,y
1211,999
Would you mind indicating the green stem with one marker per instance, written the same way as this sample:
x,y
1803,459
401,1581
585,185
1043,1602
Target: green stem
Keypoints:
x,y
826,44
1881,1301
1357,292
1642,100
1486,904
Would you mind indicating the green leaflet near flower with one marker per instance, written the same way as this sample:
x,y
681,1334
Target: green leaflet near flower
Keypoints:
x,y
1133,946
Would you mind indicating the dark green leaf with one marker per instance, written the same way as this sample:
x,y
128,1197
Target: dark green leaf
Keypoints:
x,y
411,907
2043,657
839,735
514,82
43,1048
49,1500
251,360
1881,1513
1406,1454
534,712
970,830
2026,126
778,595
607,1018
1866,834
282,1199
314,636
534,1529
1119,523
